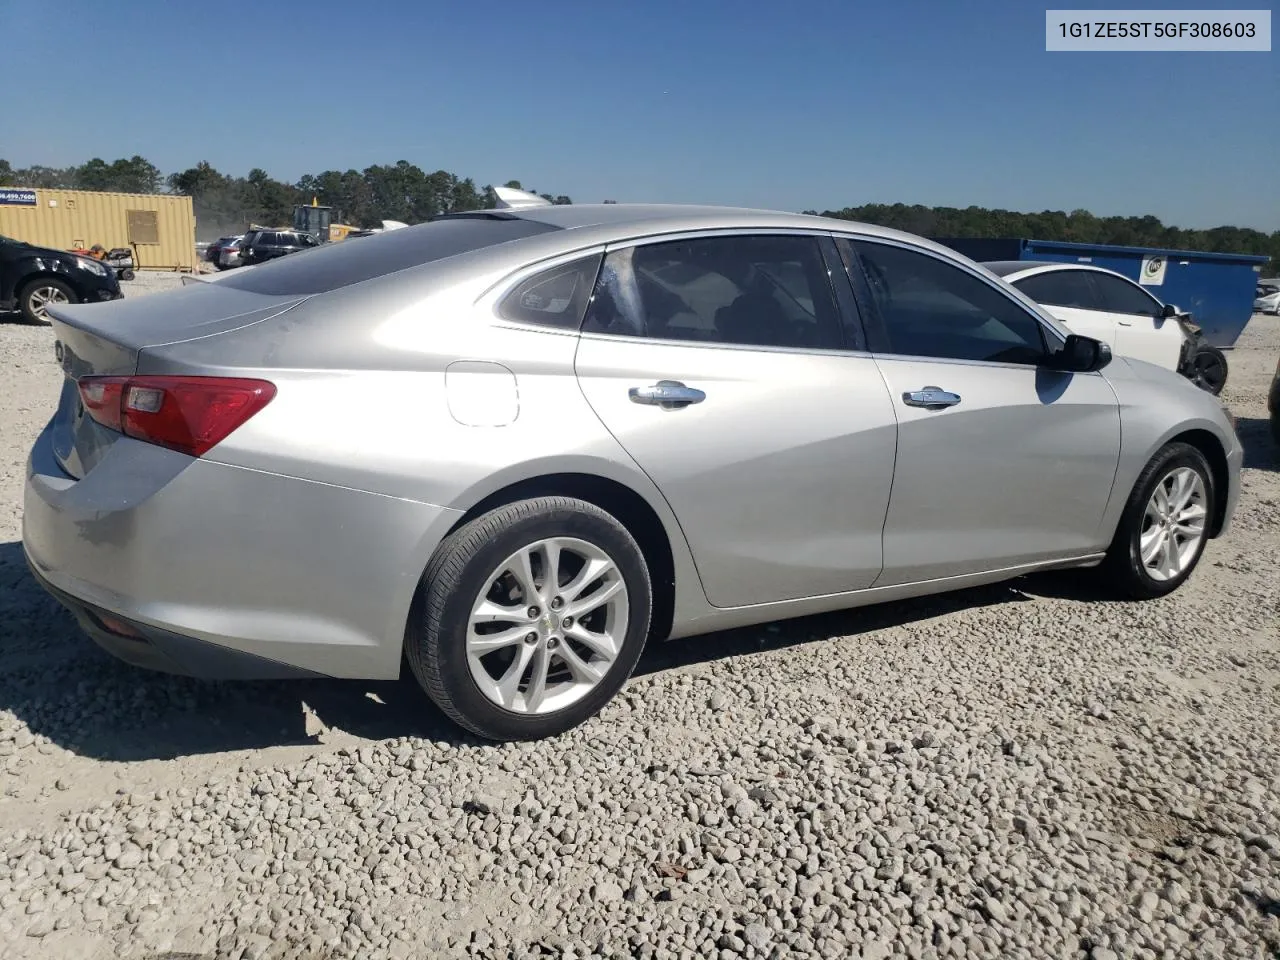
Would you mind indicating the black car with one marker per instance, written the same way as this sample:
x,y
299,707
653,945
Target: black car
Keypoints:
x,y
261,245
34,278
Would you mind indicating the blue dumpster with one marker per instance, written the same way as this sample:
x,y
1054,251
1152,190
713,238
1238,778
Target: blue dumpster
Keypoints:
x,y
1217,289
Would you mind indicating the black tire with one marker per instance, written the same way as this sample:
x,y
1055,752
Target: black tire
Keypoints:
x,y
1209,368
28,292
127,275
1275,427
1123,569
436,643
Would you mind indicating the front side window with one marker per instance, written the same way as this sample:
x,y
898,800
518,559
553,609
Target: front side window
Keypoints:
x,y
771,291
929,308
556,297
1059,288
1115,295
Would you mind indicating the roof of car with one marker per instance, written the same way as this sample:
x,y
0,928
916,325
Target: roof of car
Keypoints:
x,y
664,217
1009,268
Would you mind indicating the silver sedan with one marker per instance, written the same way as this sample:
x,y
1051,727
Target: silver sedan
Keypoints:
x,y
512,446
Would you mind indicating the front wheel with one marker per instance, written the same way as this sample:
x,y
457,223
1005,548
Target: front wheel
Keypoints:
x,y
1209,368
39,295
534,616
1165,525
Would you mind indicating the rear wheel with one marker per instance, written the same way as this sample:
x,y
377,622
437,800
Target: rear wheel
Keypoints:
x,y
534,616
1165,525
39,295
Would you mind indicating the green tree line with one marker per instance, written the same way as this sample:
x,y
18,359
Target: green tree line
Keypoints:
x,y
404,191
224,203
1078,225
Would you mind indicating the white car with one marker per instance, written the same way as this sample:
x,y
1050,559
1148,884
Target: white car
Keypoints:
x,y
1268,299
1108,306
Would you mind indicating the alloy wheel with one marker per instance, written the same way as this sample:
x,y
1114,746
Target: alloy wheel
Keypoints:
x,y
41,298
547,625
1173,524
1210,371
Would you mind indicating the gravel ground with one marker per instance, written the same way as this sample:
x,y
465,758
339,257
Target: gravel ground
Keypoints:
x,y
1019,771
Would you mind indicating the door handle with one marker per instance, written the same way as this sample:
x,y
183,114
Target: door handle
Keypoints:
x,y
1125,323
931,398
668,394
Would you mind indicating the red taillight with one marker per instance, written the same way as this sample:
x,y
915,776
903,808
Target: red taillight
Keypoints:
x,y
101,398
189,414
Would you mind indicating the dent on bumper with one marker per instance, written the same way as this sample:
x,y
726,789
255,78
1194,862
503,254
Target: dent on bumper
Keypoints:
x,y
293,575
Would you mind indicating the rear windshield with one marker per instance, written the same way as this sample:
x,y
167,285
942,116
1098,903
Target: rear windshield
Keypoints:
x,y
342,263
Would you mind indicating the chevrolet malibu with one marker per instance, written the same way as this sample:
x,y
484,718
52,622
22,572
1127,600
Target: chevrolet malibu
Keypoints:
x,y
512,446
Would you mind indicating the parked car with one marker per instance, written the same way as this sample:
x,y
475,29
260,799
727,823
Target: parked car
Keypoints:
x,y
229,256
1268,300
516,444
258,246
1110,307
213,252
34,278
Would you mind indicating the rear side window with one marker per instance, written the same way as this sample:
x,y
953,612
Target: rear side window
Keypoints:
x,y
1059,288
768,291
556,297
337,265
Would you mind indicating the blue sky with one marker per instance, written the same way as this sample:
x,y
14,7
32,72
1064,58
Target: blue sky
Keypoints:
x,y
835,103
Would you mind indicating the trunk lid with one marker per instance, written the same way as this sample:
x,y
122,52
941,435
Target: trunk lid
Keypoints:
x,y
105,339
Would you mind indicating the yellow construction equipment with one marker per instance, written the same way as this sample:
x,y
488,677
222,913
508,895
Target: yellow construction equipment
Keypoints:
x,y
314,219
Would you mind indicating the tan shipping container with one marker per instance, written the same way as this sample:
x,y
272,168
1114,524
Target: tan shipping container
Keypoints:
x,y
160,229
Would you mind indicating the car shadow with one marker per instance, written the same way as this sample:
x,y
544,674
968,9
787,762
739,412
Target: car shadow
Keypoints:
x,y
64,689
782,634
1261,452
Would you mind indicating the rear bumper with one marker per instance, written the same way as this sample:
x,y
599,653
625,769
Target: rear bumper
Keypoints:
x,y
150,648
227,572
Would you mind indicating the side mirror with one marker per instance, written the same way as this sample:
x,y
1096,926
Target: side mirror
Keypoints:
x,y
1170,310
1081,355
